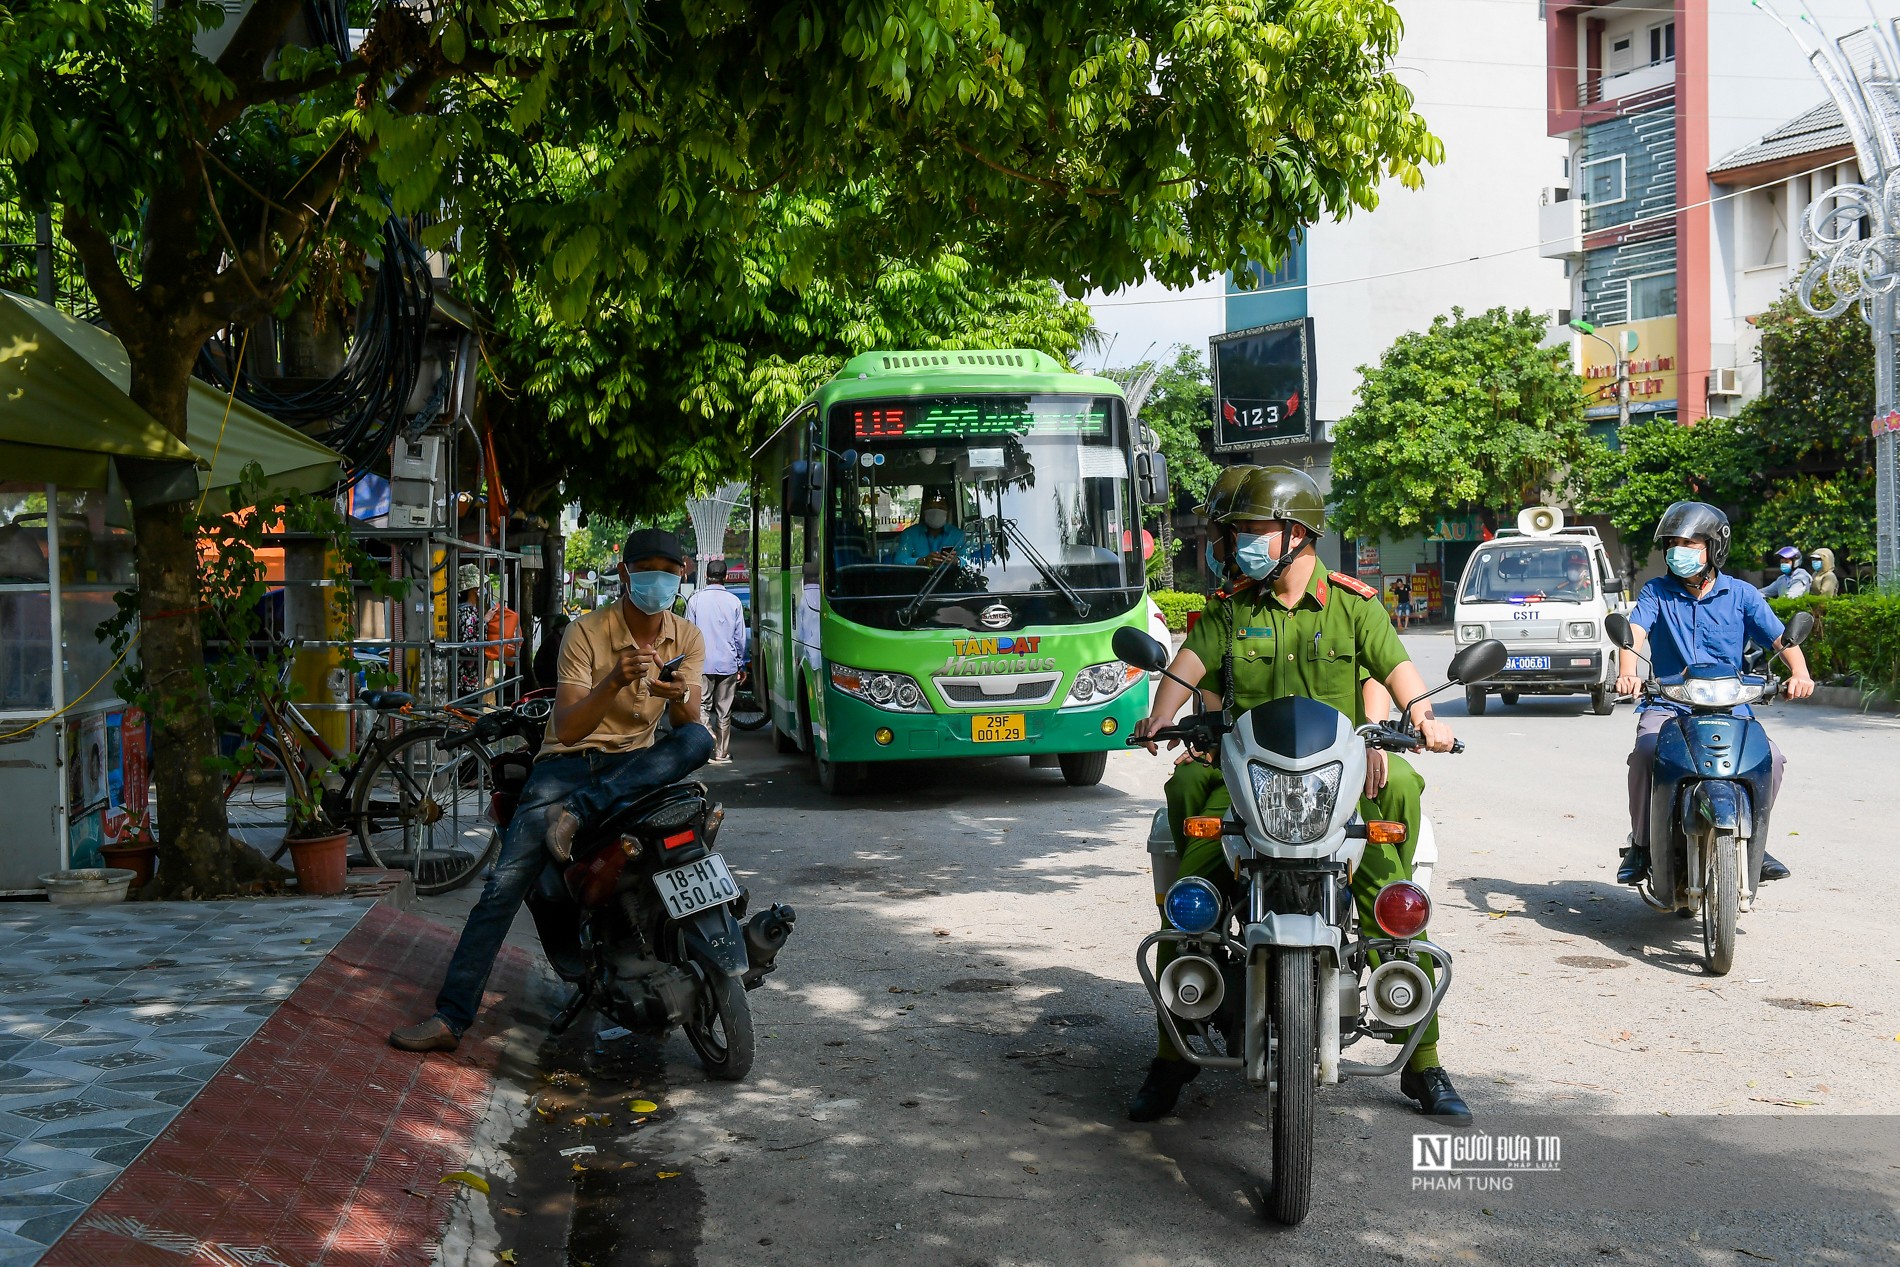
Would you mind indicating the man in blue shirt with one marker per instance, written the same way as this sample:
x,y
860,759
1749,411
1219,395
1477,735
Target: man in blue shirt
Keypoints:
x,y
934,538
1694,615
720,618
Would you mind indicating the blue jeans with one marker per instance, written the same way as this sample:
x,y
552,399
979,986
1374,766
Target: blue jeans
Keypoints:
x,y
590,782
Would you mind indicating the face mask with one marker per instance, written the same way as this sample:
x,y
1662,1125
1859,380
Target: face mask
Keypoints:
x,y
1815,564
1214,565
1576,574
653,592
935,519
1786,567
1684,561
1254,556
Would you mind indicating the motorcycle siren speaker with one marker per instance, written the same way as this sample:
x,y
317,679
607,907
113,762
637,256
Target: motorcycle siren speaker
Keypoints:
x,y
1192,987
1399,994
1539,521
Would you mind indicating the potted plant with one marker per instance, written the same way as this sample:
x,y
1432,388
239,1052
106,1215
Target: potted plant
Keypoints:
x,y
136,849
319,849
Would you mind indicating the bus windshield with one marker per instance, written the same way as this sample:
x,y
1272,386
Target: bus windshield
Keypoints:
x,y
1513,573
943,507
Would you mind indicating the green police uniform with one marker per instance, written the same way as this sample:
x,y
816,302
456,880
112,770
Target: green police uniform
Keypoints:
x,y
1322,647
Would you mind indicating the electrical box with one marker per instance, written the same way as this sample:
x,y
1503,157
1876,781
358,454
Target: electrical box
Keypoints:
x,y
417,459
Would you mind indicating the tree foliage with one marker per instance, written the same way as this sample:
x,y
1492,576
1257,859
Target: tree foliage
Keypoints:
x,y
1793,467
1473,413
637,150
1177,409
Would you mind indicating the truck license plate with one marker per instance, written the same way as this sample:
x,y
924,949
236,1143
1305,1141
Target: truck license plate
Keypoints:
x,y
997,728
696,886
1527,662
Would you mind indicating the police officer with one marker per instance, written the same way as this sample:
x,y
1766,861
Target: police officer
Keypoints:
x,y
1218,553
1294,629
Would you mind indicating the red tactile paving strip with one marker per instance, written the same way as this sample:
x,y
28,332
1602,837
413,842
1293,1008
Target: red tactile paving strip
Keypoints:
x,y
317,1143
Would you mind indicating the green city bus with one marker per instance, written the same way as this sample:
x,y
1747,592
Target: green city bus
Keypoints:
x,y
880,637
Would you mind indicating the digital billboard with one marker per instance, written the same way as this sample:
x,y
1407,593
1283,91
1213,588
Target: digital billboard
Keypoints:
x,y
1263,385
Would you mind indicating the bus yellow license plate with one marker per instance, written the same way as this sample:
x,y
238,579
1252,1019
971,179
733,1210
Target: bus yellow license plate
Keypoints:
x,y
997,728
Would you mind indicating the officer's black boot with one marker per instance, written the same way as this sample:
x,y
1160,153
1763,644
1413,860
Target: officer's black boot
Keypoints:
x,y
1772,868
1435,1095
1162,1087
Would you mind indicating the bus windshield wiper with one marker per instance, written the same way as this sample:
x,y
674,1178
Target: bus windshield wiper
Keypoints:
x,y
937,574
1041,565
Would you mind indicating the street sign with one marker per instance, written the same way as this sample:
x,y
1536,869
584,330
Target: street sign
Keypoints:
x,y
1263,385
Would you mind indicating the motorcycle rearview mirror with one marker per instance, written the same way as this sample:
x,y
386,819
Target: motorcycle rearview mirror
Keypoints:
x,y
1477,662
1617,625
1132,646
1800,625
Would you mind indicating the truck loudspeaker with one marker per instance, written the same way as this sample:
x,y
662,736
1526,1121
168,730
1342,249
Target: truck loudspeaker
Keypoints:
x,y
1191,987
1539,521
1399,994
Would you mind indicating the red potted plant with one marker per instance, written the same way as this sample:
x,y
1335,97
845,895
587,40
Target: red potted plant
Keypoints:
x,y
136,849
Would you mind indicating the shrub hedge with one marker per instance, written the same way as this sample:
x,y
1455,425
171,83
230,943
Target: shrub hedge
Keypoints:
x,y
1175,606
1856,637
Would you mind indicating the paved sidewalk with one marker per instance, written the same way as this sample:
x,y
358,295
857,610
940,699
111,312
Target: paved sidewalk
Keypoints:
x,y
209,1083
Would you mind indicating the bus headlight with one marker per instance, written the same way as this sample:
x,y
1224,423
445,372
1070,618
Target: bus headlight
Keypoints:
x,y
895,692
1100,683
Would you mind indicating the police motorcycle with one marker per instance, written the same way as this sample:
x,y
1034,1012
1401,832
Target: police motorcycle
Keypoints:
x,y
1709,796
1277,986
644,920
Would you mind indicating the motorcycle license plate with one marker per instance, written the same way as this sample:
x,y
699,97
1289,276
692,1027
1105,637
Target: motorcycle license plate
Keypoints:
x,y
696,886
997,728
1527,662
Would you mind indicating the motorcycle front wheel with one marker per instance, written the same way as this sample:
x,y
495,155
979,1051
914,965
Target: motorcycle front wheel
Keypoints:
x,y
1720,901
721,1035
1297,1035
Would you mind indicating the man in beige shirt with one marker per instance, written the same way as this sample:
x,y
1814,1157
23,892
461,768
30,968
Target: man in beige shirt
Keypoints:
x,y
601,749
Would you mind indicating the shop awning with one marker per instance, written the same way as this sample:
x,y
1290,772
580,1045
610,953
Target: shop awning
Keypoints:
x,y
64,415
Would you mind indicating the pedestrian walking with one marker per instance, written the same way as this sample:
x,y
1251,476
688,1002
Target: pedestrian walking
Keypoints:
x,y
720,618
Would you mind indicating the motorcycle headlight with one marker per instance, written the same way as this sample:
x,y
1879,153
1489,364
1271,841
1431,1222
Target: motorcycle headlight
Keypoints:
x,y
1102,682
1296,808
1713,692
894,692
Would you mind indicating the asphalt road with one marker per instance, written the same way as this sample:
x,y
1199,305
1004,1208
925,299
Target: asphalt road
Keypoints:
x,y
948,1045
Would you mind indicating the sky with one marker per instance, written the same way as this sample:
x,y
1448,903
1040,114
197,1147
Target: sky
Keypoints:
x,y
1137,317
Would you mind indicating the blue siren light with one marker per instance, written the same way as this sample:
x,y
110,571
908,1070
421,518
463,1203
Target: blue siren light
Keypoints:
x,y
1193,905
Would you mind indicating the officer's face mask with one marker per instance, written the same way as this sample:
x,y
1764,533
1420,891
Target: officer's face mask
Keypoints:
x,y
652,592
1685,561
935,519
1576,574
1253,552
1214,565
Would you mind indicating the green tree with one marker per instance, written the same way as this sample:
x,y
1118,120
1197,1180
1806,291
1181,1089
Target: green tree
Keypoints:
x,y
1177,410
1794,466
1474,413
1087,143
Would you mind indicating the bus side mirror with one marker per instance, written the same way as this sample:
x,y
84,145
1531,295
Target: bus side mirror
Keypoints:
x,y
807,489
1151,478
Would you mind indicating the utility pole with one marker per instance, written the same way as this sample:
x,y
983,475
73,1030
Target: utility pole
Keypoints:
x,y
1622,369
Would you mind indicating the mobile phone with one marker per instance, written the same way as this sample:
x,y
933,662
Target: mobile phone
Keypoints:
x,y
671,667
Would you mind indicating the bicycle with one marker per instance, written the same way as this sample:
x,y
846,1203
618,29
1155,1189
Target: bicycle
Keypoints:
x,y
409,802
748,712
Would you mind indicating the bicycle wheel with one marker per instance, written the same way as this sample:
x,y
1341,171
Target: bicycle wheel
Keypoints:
x,y
255,805
416,807
747,712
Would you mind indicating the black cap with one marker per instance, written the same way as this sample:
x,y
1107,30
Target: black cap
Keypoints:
x,y
647,543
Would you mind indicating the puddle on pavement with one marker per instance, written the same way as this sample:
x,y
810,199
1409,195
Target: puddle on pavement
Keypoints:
x,y
607,1208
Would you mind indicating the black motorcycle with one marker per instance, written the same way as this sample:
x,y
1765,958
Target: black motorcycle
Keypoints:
x,y
644,922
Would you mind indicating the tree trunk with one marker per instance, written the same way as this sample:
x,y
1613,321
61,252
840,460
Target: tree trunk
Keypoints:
x,y
195,855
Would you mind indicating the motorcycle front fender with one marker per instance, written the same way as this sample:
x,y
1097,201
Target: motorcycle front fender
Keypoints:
x,y
1716,804
716,938
1282,928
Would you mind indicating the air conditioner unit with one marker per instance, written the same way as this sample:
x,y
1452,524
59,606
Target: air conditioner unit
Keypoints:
x,y
1725,382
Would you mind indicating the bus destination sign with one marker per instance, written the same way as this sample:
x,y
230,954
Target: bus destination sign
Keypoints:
x,y
946,417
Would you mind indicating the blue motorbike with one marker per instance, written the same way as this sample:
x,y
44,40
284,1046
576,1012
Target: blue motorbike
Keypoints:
x,y
1712,778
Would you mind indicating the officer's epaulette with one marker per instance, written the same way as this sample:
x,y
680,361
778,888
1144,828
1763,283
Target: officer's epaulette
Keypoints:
x,y
1353,584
